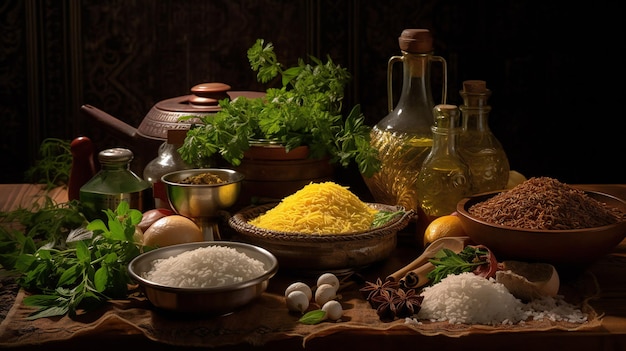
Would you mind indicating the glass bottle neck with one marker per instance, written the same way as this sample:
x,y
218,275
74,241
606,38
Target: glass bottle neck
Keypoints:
x,y
475,111
475,118
115,166
444,142
416,79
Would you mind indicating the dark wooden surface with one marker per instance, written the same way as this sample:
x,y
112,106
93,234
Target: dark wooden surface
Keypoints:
x,y
611,336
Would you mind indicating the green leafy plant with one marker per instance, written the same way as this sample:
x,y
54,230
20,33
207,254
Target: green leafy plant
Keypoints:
x,y
86,271
54,165
306,110
45,223
448,262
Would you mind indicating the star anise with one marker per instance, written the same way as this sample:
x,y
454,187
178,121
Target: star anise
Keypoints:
x,y
386,307
375,289
407,302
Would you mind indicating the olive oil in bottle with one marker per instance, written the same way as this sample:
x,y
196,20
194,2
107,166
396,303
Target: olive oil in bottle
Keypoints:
x,y
404,137
445,177
477,144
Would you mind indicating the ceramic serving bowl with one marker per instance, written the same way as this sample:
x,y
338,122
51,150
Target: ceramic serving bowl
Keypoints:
x,y
211,300
575,246
313,254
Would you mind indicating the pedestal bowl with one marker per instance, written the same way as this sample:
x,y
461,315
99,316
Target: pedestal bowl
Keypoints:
x,y
203,202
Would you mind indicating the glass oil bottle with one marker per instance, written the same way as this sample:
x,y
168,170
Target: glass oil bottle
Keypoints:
x,y
404,137
478,146
445,177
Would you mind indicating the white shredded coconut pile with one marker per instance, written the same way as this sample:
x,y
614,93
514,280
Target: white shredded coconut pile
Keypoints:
x,y
469,299
205,267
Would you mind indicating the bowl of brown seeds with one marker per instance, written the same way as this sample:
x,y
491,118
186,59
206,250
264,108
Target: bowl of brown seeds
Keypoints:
x,y
545,220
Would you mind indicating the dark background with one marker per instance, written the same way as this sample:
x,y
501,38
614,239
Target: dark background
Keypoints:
x,y
556,70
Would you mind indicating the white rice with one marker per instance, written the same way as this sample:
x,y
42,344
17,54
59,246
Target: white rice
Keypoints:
x,y
469,299
205,267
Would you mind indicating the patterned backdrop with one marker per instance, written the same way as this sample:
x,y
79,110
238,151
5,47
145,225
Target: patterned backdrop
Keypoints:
x,y
553,70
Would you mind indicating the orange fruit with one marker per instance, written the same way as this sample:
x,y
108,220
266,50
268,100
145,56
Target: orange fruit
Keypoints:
x,y
172,230
448,225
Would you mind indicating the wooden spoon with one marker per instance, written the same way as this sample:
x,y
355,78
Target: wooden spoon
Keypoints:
x,y
456,244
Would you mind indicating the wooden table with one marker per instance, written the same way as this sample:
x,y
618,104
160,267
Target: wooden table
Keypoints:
x,y
611,303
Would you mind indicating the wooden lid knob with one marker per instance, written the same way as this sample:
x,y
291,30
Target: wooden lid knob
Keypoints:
x,y
208,94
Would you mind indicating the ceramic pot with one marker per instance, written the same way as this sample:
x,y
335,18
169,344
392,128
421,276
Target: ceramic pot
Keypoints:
x,y
271,173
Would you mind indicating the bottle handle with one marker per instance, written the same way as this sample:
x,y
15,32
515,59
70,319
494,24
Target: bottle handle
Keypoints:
x,y
444,86
392,60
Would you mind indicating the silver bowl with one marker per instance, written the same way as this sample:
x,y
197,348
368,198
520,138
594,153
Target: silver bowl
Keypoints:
x,y
211,301
203,202
574,246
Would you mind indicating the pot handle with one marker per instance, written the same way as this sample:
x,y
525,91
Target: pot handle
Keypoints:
x,y
119,128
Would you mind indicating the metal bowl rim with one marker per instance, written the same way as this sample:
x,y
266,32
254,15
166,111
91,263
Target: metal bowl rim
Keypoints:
x,y
269,273
240,177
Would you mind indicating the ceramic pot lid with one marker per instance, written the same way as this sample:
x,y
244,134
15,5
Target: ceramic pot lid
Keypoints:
x,y
202,101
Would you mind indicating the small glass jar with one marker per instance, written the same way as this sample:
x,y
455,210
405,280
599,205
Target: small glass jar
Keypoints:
x,y
114,183
445,177
478,146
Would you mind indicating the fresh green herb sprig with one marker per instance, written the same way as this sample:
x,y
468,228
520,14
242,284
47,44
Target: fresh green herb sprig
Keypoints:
x,y
313,317
44,223
448,262
306,110
54,166
383,217
88,272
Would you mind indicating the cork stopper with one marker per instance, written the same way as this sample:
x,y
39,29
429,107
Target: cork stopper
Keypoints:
x,y
416,41
474,86
475,93
446,117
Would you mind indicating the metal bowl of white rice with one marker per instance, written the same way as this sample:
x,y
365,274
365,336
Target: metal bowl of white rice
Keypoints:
x,y
211,277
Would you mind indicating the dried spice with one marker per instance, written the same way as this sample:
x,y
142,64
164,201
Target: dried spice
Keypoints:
x,y
407,302
203,178
385,302
391,301
376,288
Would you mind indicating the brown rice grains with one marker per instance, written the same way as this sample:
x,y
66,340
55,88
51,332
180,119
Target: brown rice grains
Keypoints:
x,y
547,204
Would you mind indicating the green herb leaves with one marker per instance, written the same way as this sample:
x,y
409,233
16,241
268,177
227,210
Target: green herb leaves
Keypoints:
x,y
85,273
383,217
313,317
306,110
448,262
54,166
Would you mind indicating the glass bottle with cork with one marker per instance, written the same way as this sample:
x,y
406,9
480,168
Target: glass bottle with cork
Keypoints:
x,y
168,160
478,146
114,183
404,137
444,178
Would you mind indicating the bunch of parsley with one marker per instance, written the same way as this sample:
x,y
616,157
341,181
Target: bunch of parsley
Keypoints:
x,y
306,110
